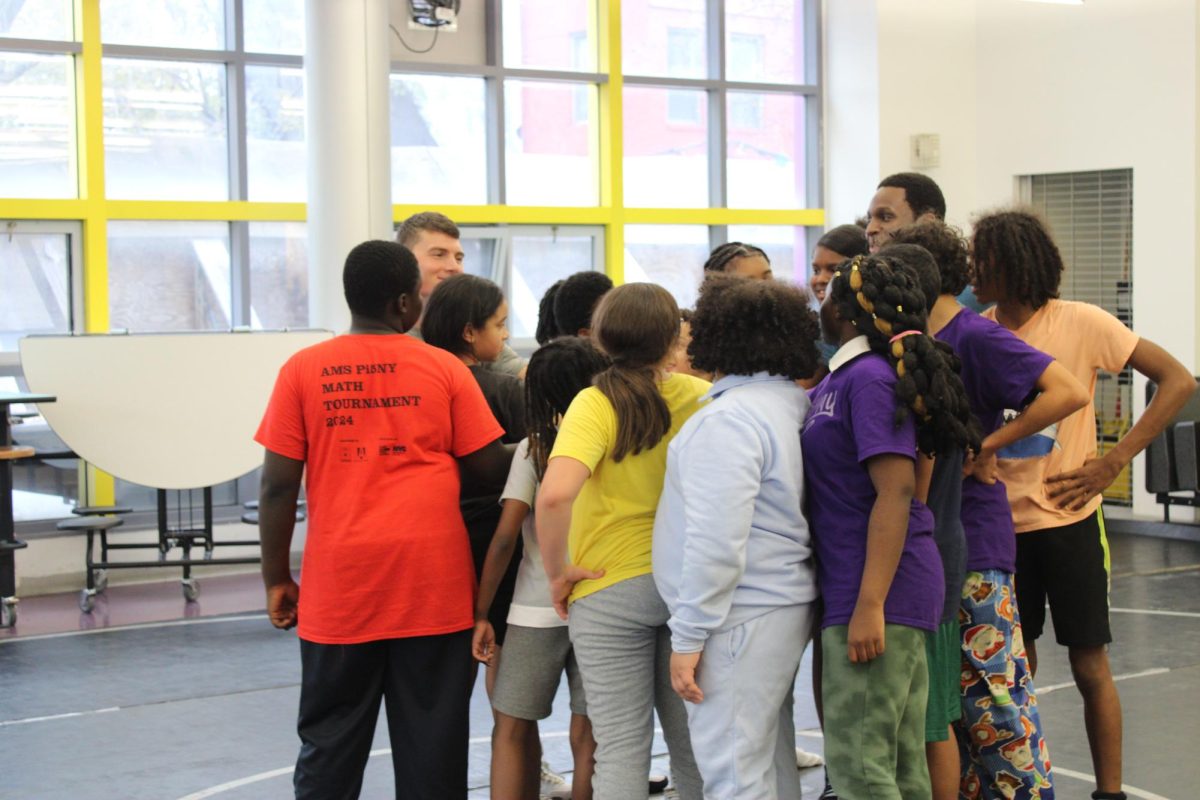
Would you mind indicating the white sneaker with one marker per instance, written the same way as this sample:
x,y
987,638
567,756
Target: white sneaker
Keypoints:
x,y
554,786
805,759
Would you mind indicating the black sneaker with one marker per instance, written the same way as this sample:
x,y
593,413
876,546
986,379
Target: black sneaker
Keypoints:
x,y
827,793
658,783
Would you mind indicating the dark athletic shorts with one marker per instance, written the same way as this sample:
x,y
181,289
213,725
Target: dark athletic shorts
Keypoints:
x,y
1069,567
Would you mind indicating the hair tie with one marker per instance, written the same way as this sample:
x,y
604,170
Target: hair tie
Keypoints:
x,y
902,334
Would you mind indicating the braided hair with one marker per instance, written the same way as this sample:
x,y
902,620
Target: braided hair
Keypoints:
x,y
723,254
882,300
557,371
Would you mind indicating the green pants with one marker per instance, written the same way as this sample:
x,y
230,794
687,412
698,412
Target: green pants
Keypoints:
x,y
875,717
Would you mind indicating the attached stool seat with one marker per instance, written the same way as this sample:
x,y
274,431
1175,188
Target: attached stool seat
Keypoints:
x,y
97,579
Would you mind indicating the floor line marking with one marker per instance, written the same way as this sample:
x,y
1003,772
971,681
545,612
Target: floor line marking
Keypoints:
x,y
1132,791
1155,612
1146,673
138,627
68,715
1160,571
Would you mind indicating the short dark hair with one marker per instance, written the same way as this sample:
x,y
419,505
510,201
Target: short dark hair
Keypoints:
x,y
411,228
547,328
845,240
921,266
948,248
1015,255
577,299
376,273
922,194
741,327
722,254
456,303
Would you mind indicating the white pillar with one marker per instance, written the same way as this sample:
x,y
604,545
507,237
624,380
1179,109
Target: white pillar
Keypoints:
x,y
346,64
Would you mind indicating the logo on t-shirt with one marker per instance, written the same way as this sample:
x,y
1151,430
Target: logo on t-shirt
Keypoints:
x,y
1037,445
825,406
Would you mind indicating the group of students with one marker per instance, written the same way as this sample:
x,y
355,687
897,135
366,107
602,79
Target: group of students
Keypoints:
x,y
684,508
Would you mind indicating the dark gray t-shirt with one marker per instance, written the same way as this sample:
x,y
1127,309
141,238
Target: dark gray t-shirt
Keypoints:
x,y
945,501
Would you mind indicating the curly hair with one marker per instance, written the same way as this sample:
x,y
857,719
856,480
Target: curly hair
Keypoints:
x,y
1016,258
722,254
456,303
557,372
741,327
879,296
947,246
920,264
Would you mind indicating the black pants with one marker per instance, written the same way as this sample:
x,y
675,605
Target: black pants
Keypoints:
x,y
425,684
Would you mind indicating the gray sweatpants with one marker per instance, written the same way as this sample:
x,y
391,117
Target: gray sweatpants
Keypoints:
x,y
623,647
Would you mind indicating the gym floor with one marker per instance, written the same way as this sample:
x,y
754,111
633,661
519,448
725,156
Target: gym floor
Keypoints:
x,y
152,697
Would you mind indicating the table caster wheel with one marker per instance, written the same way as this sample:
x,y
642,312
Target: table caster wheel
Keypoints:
x,y
8,612
191,589
87,600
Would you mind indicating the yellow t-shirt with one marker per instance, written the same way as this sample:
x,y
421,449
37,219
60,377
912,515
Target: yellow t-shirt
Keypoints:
x,y
1085,339
612,520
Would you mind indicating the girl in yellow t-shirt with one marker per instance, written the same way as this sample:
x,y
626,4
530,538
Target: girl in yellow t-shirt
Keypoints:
x,y
597,500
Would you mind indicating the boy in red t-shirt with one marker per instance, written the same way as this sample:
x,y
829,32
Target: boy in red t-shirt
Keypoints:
x,y
381,422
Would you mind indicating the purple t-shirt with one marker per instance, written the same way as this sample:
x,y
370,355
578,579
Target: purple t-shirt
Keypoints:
x,y
852,418
999,372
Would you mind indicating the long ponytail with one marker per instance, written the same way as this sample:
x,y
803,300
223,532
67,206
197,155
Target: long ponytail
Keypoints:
x,y
636,325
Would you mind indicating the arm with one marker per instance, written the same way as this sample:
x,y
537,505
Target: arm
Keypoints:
x,y
894,479
1059,396
719,478
924,477
276,521
485,470
561,484
499,556
1075,488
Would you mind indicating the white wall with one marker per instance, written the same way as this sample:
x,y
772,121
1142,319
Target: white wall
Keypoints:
x,y
1016,88
927,84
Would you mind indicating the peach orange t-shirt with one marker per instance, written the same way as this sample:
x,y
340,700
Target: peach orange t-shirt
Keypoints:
x,y
1085,339
378,421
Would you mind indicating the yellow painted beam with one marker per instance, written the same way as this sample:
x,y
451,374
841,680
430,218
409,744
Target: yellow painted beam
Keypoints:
x,y
16,208
220,211
724,216
611,139
89,127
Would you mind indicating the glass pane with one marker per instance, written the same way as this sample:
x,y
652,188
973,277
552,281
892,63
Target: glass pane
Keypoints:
x,y
787,247
183,507
664,40
549,152
479,258
764,41
550,34
169,276
35,271
273,26
35,19
537,262
439,140
37,126
275,154
195,24
672,256
278,275
165,130
766,156
666,148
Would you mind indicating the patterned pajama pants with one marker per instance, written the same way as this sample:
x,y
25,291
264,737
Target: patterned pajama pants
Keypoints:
x,y
999,735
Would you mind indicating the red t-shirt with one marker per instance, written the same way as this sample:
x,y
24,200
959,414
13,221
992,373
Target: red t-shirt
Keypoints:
x,y
378,421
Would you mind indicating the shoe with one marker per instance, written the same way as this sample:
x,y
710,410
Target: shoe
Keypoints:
x,y
805,759
827,793
658,784
554,786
